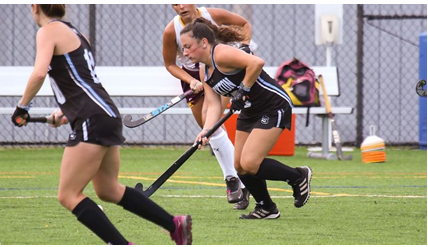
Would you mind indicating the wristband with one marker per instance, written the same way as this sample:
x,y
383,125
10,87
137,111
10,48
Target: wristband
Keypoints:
x,y
25,107
245,88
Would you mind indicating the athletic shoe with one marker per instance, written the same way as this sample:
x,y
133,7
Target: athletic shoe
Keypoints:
x,y
234,192
243,204
182,234
260,213
302,188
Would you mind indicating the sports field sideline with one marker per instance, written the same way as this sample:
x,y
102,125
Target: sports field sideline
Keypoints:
x,y
351,202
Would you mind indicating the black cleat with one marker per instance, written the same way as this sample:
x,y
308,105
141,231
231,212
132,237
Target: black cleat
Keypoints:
x,y
302,188
259,213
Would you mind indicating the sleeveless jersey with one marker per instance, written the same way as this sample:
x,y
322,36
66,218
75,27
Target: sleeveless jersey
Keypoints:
x,y
178,26
75,84
265,96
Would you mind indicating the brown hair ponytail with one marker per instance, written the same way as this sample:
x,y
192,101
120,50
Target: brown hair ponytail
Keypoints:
x,y
53,10
202,28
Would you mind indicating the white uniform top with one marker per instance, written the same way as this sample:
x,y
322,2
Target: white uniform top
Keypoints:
x,y
178,26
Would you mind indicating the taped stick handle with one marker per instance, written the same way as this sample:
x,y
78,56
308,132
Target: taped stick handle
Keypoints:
x,y
48,120
32,120
37,120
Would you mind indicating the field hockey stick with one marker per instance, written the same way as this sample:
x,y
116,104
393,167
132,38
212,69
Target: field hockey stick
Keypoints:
x,y
335,130
127,120
180,161
49,120
420,88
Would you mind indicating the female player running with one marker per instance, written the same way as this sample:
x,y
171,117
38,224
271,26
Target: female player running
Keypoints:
x,y
265,112
92,151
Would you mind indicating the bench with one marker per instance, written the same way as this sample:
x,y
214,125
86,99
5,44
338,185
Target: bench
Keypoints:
x,y
154,81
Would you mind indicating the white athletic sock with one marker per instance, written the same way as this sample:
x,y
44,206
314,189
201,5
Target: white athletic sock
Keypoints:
x,y
223,150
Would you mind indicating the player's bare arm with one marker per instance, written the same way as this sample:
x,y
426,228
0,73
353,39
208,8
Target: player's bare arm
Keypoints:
x,y
169,52
45,47
214,110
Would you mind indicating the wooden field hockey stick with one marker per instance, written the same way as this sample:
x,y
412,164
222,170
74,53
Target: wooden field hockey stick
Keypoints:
x,y
180,161
334,129
127,120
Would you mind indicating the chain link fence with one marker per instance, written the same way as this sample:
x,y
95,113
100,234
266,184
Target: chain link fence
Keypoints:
x,y
390,70
377,62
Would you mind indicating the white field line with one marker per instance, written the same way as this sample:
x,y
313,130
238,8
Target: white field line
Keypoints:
x,y
281,197
26,197
213,196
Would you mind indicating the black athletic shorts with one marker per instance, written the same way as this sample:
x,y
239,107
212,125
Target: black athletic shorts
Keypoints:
x,y
193,98
279,119
99,129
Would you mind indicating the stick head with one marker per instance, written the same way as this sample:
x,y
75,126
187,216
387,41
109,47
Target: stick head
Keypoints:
x,y
348,157
127,118
127,121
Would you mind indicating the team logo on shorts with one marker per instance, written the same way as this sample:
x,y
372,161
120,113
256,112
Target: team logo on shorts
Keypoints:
x,y
265,120
72,136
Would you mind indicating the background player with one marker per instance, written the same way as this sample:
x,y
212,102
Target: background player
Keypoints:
x,y
188,73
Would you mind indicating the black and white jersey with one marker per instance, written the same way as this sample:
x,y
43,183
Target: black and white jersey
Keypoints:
x,y
75,84
266,95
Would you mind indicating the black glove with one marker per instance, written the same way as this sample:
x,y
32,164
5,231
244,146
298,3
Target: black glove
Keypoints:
x,y
246,48
240,99
19,115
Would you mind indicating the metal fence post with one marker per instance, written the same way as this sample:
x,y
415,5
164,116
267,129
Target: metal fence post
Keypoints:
x,y
92,27
360,66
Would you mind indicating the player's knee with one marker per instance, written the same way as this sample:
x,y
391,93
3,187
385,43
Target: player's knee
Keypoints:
x,y
113,195
62,199
66,200
249,166
105,196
